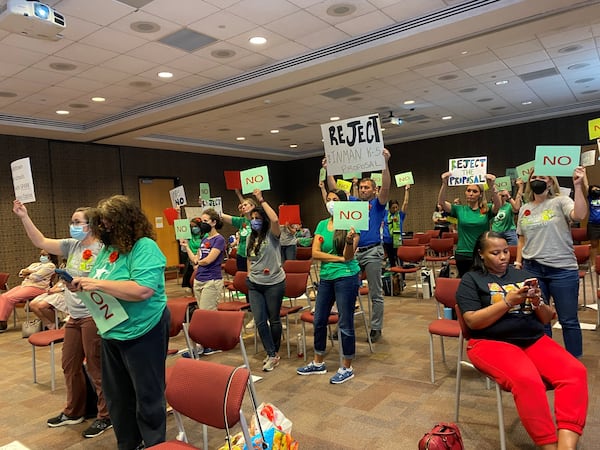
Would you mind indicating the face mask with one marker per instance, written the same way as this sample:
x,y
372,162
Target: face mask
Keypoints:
x,y
329,206
538,186
595,193
44,259
256,224
205,228
77,232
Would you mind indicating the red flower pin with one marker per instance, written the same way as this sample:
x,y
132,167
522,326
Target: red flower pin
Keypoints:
x,y
113,256
527,212
321,239
266,271
87,254
207,244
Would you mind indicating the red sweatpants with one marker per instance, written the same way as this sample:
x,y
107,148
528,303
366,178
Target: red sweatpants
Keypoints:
x,y
520,371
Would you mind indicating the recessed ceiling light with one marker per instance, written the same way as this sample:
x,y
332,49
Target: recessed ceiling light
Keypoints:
x,y
240,138
98,99
274,131
446,117
258,40
334,118
293,145
165,75
501,82
62,112
409,102
525,103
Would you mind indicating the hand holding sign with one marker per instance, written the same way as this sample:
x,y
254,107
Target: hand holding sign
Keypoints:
x,y
578,176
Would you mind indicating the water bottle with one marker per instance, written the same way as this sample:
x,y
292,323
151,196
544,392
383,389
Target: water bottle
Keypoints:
x,y
447,313
300,346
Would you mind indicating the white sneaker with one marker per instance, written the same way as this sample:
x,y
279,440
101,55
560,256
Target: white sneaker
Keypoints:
x,y
271,363
250,325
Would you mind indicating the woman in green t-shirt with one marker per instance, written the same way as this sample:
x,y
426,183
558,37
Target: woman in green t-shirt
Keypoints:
x,y
338,283
242,223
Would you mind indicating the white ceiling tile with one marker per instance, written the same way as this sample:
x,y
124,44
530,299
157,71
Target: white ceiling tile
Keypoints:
x,y
251,61
243,39
535,57
165,27
431,70
401,11
220,72
14,55
21,87
23,42
298,24
365,23
262,12
45,64
493,67
101,12
8,69
533,67
206,52
320,10
114,40
128,64
85,53
562,62
566,38
157,52
82,84
192,63
193,81
520,48
105,75
49,76
285,51
183,12
222,25
323,38
582,46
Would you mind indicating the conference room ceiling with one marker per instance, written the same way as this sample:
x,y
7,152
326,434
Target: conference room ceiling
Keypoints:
x,y
464,65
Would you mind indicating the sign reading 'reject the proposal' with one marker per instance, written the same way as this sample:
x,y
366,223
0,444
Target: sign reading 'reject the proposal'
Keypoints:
x,y
353,145
469,170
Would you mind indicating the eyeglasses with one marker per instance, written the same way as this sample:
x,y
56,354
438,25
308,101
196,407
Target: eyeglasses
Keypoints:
x,y
77,224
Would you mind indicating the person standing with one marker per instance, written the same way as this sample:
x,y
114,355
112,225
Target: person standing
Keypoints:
x,y
194,245
393,227
131,268
369,252
266,278
545,248
81,334
338,284
473,218
242,223
504,221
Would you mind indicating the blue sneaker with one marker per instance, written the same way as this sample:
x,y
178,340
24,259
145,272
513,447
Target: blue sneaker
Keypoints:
x,y
342,375
186,355
209,351
312,369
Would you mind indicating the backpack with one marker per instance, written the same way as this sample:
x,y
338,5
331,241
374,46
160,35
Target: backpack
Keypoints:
x,y
443,436
445,270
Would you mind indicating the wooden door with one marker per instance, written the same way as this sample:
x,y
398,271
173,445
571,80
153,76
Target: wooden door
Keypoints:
x,y
154,199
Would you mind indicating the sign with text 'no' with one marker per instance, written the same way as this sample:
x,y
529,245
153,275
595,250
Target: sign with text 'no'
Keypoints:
x,y
470,170
503,183
524,169
556,160
348,215
182,229
353,145
257,178
178,196
403,179
105,309
594,129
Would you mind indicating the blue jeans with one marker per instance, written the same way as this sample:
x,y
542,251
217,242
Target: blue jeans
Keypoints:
x,y
510,236
342,291
370,261
265,303
288,252
563,286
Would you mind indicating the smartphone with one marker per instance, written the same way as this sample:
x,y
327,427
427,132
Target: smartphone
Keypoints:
x,y
62,273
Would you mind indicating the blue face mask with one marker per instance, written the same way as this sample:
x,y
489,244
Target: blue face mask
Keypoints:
x,y
77,232
256,224
44,259
195,230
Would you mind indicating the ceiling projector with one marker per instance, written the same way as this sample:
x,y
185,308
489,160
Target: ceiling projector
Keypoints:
x,y
31,19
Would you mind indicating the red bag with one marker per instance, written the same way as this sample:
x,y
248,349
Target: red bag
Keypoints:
x,y
443,436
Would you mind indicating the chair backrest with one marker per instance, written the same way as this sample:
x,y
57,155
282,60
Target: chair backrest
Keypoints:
x,y
219,330
297,265
465,330
582,253
424,238
445,291
207,392
4,281
230,266
434,233
178,310
512,249
411,254
410,242
239,282
579,234
295,284
447,234
442,245
304,252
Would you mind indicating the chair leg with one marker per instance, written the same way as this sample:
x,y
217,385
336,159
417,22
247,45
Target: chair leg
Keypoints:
x,y
287,336
443,350
500,417
432,371
458,376
33,364
304,339
52,369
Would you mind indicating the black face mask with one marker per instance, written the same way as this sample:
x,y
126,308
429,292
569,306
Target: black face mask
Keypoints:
x,y
595,193
538,186
204,228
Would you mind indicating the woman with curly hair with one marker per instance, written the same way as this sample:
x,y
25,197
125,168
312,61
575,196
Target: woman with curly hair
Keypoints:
x,y
130,268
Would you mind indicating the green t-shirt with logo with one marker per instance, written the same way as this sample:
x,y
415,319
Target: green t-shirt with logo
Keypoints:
x,y
504,219
471,223
243,225
333,270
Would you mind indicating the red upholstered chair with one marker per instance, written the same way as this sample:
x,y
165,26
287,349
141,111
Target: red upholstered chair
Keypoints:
x,y
209,393
512,249
46,338
445,294
447,234
433,233
440,250
179,308
582,253
229,268
410,254
300,266
239,285
410,242
579,235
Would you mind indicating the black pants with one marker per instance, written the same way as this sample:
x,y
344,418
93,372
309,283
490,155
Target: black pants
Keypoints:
x,y
133,381
463,264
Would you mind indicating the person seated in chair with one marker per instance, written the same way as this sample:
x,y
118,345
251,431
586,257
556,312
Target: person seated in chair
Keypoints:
x,y
36,279
46,305
505,312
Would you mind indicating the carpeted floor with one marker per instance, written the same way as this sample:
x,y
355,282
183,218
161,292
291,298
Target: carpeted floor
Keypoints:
x,y
389,404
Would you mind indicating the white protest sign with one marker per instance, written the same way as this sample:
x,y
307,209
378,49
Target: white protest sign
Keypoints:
x,y
106,310
178,196
469,170
22,180
353,145
214,203
588,158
